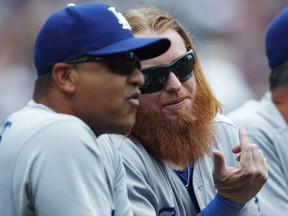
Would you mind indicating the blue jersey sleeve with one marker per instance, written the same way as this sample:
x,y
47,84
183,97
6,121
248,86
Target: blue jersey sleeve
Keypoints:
x,y
220,206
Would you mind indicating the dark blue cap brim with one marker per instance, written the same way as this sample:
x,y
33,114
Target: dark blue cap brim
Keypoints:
x,y
144,48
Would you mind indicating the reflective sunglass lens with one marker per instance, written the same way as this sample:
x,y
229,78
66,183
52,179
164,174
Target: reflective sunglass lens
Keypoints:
x,y
124,64
156,76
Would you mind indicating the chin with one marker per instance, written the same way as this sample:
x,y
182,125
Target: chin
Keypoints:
x,y
173,114
129,123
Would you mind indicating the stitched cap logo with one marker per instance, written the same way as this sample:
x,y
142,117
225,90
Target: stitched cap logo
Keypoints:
x,y
122,20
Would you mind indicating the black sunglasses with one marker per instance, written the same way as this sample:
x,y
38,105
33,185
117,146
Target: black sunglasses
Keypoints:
x,y
156,76
123,63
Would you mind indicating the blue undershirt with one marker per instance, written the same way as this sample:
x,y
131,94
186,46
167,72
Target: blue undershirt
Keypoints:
x,y
219,206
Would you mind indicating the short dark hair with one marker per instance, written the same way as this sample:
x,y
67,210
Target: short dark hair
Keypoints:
x,y
44,82
43,85
279,76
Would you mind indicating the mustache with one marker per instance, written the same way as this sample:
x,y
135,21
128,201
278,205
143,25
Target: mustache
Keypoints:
x,y
174,97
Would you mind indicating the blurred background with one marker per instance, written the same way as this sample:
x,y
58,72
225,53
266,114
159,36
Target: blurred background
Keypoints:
x,y
229,37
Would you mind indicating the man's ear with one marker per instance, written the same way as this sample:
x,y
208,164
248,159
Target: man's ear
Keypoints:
x,y
64,77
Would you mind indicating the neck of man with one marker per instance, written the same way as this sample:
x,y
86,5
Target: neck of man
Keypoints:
x,y
176,166
280,99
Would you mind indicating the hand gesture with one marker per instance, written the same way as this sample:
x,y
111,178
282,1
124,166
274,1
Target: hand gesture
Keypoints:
x,y
240,184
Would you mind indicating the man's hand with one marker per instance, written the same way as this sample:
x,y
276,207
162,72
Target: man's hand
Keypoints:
x,y
240,184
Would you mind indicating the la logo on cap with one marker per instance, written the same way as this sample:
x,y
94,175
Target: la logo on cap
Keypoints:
x,y
71,4
121,18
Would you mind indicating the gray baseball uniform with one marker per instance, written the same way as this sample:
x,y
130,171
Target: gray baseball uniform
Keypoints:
x,y
155,189
52,164
267,128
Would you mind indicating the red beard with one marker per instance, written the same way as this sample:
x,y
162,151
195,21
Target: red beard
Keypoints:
x,y
182,140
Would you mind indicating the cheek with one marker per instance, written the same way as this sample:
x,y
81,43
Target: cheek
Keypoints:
x,y
190,86
106,93
113,85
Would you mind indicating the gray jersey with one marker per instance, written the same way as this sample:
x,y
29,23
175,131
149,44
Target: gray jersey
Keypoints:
x,y
51,164
155,189
267,128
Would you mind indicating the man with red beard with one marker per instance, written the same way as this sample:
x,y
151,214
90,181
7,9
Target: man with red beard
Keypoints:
x,y
178,156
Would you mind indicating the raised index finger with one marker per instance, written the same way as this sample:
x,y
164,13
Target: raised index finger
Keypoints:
x,y
246,153
243,137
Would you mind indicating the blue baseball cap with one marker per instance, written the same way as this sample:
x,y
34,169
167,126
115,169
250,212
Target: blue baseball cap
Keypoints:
x,y
90,29
276,39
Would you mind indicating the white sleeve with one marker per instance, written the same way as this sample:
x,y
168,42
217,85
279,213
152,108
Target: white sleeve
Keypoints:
x,y
67,176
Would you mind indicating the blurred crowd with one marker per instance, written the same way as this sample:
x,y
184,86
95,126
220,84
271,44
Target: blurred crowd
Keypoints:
x,y
229,37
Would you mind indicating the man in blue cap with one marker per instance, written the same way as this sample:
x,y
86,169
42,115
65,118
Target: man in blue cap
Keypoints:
x,y
87,62
266,120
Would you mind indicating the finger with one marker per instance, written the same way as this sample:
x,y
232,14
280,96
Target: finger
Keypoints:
x,y
264,160
243,137
266,168
219,163
246,149
238,158
264,165
236,149
260,163
258,157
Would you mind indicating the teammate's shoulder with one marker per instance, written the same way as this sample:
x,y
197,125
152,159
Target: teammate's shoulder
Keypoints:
x,y
225,127
126,146
222,120
116,140
66,124
36,113
39,119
